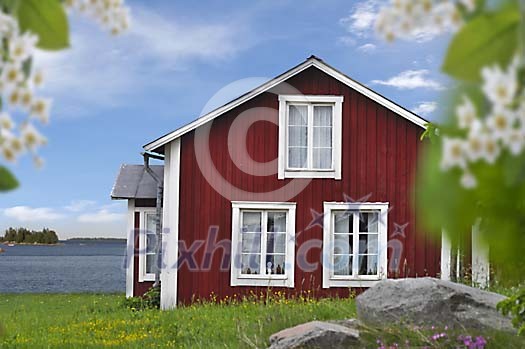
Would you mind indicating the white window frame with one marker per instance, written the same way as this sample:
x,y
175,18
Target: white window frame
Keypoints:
x,y
274,280
330,280
310,100
143,276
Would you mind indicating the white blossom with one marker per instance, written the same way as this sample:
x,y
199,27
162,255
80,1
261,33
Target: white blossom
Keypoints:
x,y
12,74
22,47
37,78
491,149
466,113
453,153
40,109
474,148
6,122
500,122
515,141
468,181
31,137
499,87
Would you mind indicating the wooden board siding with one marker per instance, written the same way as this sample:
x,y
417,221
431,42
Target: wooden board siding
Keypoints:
x,y
380,151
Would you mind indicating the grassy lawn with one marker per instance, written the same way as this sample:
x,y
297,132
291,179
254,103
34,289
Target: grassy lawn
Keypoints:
x,y
85,320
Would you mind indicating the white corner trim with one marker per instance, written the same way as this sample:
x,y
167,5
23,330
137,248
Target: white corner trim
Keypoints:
x,y
337,136
286,280
480,258
130,248
311,62
170,217
330,280
446,248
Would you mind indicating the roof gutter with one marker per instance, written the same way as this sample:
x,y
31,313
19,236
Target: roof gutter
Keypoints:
x,y
158,213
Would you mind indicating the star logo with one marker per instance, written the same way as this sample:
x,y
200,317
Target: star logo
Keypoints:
x,y
400,230
317,219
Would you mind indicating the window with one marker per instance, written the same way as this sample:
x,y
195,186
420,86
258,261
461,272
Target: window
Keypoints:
x,y
310,136
263,244
354,244
147,245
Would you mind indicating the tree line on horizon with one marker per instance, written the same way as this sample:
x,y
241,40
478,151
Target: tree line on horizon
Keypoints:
x,y
23,235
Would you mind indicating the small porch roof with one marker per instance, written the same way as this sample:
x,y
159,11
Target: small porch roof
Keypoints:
x,y
134,182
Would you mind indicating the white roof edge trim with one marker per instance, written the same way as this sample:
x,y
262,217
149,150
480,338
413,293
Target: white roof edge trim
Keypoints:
x,y
311,62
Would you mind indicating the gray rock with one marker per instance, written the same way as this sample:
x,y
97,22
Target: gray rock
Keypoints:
x,y
429,301
316,334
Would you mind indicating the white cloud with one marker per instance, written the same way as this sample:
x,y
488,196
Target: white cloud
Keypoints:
x,y
29,214
411,79
367,48
80,205
425,108
360,21
102,216
102,71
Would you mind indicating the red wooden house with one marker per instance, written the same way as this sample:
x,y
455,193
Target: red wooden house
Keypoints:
x,y
304,183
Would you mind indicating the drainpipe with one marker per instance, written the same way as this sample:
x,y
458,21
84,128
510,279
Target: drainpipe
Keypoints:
x,y
158,213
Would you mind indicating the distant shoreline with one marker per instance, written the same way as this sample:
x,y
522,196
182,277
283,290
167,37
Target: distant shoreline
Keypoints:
x,y
7,243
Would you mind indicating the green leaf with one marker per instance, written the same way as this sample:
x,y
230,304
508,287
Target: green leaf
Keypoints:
x,y
485,40
46,18
7,180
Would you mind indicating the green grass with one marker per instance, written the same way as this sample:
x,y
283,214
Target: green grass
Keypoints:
x,y
94,321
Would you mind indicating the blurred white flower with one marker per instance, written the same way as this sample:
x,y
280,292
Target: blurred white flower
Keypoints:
x,y
474,148
407,19
22,47
8,25
40,109
515,140
38,78
466,113
26,98
453,153
31,137
468,181
6,122
491,149
500,122
500,87
12,74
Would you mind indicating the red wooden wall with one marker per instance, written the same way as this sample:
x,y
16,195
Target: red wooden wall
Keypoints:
x,y
380,152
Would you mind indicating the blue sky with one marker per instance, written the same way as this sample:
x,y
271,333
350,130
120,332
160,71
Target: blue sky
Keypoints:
x,y
113,95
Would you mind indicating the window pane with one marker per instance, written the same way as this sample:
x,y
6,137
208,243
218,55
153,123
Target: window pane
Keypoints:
x,y
251,221
368,243
251,243
276,222
323,137
342,265
276,243
322,116
298,115
150,223
367,265
343,243
343,222
322,158
151,242
151,260
250,263
297,157
369,222
298,136
275,264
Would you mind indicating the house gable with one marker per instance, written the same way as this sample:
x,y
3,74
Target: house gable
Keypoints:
x,y
157,145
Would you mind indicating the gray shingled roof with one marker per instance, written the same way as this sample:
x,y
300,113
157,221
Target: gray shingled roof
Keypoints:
x,y
133,182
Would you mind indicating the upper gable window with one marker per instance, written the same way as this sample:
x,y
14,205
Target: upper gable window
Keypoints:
x,y
310,136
